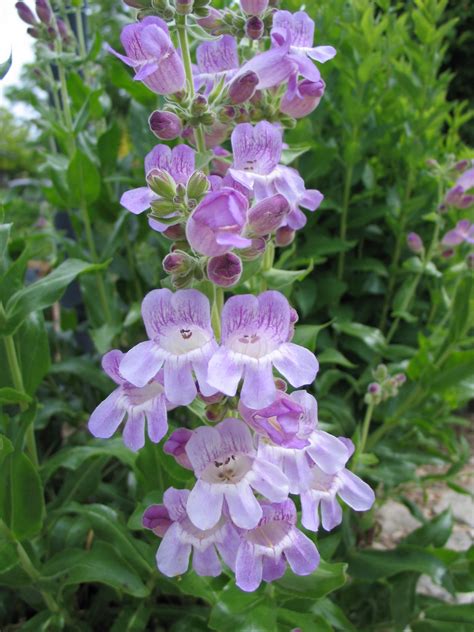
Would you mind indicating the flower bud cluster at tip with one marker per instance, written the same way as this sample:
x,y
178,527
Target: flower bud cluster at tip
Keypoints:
x,y
384,387
45,26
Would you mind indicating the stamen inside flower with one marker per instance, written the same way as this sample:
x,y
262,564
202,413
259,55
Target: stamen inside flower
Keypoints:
x,y
251,344
230,470
180,340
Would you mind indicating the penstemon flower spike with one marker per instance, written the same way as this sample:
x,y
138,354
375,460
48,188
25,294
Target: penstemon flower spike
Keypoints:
x,y
220,210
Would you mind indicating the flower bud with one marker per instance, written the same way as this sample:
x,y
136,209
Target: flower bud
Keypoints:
x,y
255,250
266,216
198,185
462,165
63,30
380,373
242,87
184,7
44,11
307,98
157,519
215,412
281,385
447,253
211,399
162,183
415,243
33,32
400,378
199,105
177,262
224,270
254,7
284,236
25,13
374,388
254,28
176,446
211,21
165,125
137,4
175,232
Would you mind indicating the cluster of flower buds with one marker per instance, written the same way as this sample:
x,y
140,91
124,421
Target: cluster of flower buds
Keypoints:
x,y
45,26
385,386
264,444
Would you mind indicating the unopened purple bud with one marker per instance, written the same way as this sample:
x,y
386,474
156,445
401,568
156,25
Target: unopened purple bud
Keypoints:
x,y
33,32
374,388
176,446
255,250
254,28
199,105
137,4
268,215
44,11
400,378
415,243
25,13
447,253
224,270
227,113
284,236
211,21
176,263
462,165
305,101
157,519
184,7
254,7
294,318
470,261
63,30
215,412
165,125
243,87
175,232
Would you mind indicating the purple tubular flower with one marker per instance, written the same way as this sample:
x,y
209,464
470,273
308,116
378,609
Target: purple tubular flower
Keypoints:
x,y
257,152
150,52
25,13
243,87
415,243
216,59
265,550
216,224
254,7
294,443
226,465
268,215
273,67
306,99
211,21
146,402
180,339
321,496
180,537
175,446
178,162
457,196
464,231
165,125
255,338
224,270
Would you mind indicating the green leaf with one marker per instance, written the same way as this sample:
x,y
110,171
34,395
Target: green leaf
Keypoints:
x,y
436,532
32,344
278,279
8,555
292,153
43,293
303,620
5,66
327,578
371,566
21,494
83,179
371,336
4,237
11,396
333,356
307,335
243,612
102,564
86,370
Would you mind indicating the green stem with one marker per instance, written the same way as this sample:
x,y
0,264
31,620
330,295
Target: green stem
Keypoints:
x,y
343,228
217,306
181,25
28,567
365,433
80,32
17,378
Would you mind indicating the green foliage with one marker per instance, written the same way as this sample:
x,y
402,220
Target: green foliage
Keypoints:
x,y
73,553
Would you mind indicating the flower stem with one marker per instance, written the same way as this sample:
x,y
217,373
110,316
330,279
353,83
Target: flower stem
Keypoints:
x,y
17,378
365,433
181,25
343,228
217,306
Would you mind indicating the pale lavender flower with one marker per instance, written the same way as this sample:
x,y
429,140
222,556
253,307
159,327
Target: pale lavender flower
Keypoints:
x,y
464,231
323,490
216,224
272,67
305,99
458,195
226,465
171,522
255,338
265,550
137,404
150,52
257,152
177,162
181,338
291,440
216,59
254,7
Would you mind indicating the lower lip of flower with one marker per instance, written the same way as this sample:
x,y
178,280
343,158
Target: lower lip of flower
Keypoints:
x,y
229,470
325,484
199,538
